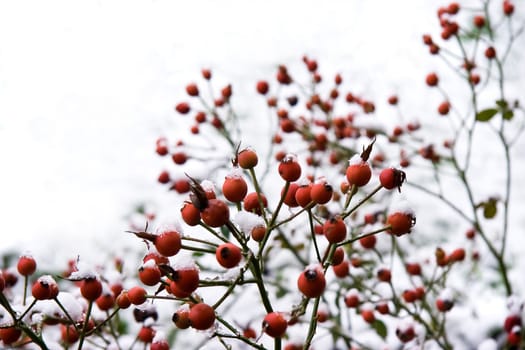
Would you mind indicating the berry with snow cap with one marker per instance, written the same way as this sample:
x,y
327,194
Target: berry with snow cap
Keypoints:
x,y
289,168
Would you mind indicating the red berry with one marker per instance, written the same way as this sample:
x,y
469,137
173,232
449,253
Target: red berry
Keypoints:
x,y
444,305
393,100
206,73
91,288
334,230
168,243
508,8
181,186
400,223
137,295
339,255
432,79
192,89
358,174
123,301
149,273
289,168
26,265
352,299
9,335
444,108
368,242
164,177
146,334
179,158
234,188
303,195
383,308
391,178
511,321
409,296
216,213
490,52
181,318
413,269
251,203
68,334
159,345
228,255
247,159
262,87
457,255
274,324
44,288
182,108
479,21
311,282
190,214
106,301
453,8
342,269
384,275
368,315
201,316
289,199
186,279
321,192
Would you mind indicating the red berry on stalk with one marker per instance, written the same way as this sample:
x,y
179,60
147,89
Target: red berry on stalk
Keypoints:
x,y
186,279
444,108
384,275
274,324
181,318
289,199
91,288
192,89
342,269
43,288
392,100
368,242
137,295
168,243
432,79
311,282
247,159
106,301
183,108
164,177
206,74
146,334
391,178
289,168
251,203
479,21
149,273
123,301
201,316
321,192
262,87
490,52
228,255
190,214
216,213
234,188
358,173
181,186
508,7
352,299
400,222
444,305
26,265
413,269
68,334
9,335
453,8
303,195
179,158
159,345
334,230
368,315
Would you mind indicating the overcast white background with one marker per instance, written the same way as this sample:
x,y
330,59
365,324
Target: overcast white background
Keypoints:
x,y
87,86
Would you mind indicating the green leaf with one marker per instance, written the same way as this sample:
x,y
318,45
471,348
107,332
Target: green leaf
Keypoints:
x,y
490,209
486,114
380,328
508,114
502,104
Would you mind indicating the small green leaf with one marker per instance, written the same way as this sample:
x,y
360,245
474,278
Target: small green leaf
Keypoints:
x,y
490,209
508,114
380,328
486,114
502,104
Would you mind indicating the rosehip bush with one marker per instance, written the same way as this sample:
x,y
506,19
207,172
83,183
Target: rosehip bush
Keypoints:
x,y
307,241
